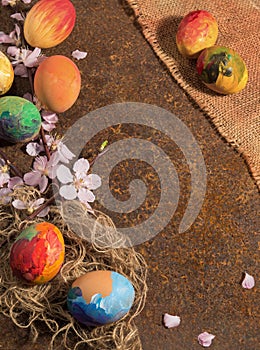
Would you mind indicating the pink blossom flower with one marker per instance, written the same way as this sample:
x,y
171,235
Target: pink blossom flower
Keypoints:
x,y
50,119
31,206
5,195
171,321
63,154
42,170
80,184
13,2
15,182
79,55
4,173
205,339
23,58
12,38
248,281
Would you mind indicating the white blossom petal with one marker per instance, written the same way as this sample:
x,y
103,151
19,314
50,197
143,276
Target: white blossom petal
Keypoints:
x,y
85,195
64,174
43,183
68,192
18,16
81,166
65,154
4,178
248,281
34,148
79,55
36,204
205,339
43,212
171,321
13,51
5,195
92,181
18,204
15,182
32,178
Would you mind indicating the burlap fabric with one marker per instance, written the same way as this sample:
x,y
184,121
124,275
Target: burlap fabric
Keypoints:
x,y
235,116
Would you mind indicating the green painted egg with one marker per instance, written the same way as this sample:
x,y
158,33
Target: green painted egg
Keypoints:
x,y
222,70
20,120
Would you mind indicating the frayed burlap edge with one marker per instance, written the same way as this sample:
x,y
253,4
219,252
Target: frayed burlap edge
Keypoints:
x,y
45,305
167,60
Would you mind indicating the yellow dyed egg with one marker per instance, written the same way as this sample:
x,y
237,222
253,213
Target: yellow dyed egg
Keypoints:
x,y
222,70
6,74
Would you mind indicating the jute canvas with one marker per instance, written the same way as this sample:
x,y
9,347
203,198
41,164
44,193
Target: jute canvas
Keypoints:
x,y
236,116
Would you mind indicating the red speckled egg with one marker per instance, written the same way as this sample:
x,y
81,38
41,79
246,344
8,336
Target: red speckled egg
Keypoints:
x,y
57,83
197,31
49,22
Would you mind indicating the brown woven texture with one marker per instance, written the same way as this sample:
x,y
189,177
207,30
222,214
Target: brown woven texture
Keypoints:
x,y
235,116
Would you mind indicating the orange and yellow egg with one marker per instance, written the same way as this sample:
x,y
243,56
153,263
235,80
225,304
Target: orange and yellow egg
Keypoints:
x,y
6,74
48,23
57,83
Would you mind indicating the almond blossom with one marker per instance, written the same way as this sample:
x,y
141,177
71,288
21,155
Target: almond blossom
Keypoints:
x,y
13,2
50,119
23,59
31,206
205,339
12,38
79,184
248,281
63,154
171,321
4,173
42,170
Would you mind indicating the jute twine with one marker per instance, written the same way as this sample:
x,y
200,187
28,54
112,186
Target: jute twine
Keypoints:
x,y
237,116
45,305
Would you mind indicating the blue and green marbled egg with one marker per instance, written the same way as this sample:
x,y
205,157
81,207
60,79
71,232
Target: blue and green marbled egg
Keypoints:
x,y
100,297
20,120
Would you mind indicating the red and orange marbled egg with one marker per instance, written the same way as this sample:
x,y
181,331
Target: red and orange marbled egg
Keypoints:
x,y
57,83
197,31
49,22
38,253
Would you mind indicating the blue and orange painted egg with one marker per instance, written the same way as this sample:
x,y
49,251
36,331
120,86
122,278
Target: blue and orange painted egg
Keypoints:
x,y
20,120
37,253
100,297
222,70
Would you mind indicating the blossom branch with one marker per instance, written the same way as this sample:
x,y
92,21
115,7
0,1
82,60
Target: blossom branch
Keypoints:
x,y
15,170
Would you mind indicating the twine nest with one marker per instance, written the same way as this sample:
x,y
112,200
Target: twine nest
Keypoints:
x,y
28,306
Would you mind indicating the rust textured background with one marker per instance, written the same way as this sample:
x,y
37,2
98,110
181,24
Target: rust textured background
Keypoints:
x,y
196,275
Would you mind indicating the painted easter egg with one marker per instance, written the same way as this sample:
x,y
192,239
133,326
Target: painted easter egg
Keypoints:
x,y
57,83
100,297
6,74
48,23
37,253
20,120
197,30
222,70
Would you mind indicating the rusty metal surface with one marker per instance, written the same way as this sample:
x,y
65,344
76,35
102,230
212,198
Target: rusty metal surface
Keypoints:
x,y
197,274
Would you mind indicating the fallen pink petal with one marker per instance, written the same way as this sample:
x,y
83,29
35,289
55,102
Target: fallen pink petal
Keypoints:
x,y
205,339
79,55
171,321
248,281
18,16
